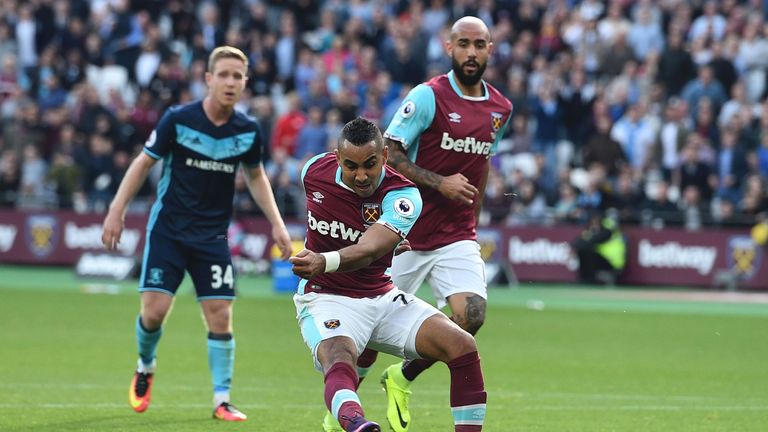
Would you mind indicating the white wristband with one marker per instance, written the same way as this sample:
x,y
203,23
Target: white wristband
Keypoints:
x,y
332,261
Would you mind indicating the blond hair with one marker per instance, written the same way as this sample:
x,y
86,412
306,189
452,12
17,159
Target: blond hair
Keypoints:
x,y
223,52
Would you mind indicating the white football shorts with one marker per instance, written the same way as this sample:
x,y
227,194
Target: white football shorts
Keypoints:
x,y
387,323
451,269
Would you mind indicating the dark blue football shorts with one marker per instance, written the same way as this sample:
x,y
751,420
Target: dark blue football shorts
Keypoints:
x,y
209,264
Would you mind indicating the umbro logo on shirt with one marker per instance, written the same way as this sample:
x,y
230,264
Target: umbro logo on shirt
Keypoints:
x,y
317,197
454,117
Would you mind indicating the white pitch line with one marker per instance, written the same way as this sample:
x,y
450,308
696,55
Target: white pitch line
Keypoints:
x,y
645,408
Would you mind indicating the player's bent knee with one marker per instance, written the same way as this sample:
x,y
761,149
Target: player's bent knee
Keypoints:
x,y
464,344
473,324
336,350
152,318
471,316
446,341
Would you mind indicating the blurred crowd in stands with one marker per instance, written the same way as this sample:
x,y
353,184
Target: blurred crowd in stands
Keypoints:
x,y
657,108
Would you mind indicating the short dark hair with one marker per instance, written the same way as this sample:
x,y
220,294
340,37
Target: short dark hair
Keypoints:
x,y
360,132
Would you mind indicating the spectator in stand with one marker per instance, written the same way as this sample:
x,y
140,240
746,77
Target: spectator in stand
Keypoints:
x,y
10,178
724,212
288,126
529,205
737,104
692,172
705,124
32,189
704,86
26,128
750,57
676,67
755,199
65,178
577,98
548,42
660,206
626,196
730,168
496,204
602,149
692,207
313,137
592,197
51,94
97,175
403,64
144,115
7,42
549,121
567,209
613,24
636,135
762,156
710,25
672,137
645,35
724,70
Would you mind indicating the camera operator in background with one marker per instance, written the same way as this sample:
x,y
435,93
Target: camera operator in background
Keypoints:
x,y
600,250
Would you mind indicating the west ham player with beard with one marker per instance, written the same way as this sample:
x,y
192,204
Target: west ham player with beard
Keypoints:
x,y
441,139
358,211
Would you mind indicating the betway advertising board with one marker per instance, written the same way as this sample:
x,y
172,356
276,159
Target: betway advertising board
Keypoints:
x,y
60,238
667,257
664,257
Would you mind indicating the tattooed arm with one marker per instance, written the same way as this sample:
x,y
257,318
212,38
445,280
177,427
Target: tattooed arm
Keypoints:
x,y
455,186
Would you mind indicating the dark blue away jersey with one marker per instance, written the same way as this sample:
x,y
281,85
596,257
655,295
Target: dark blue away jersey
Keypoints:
x,y
200,160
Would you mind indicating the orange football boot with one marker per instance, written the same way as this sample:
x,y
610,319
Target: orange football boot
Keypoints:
x,y
140,392
227,412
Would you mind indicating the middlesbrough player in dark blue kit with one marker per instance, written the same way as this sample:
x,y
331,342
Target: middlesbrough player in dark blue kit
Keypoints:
x,y
201,145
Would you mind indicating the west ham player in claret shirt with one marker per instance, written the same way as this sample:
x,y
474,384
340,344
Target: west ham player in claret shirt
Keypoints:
x,y
358,211
441,138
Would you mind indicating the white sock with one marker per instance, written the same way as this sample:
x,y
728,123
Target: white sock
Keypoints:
x,y
142,368
219,398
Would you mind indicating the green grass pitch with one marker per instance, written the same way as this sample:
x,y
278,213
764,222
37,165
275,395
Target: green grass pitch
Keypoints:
x,y
554,359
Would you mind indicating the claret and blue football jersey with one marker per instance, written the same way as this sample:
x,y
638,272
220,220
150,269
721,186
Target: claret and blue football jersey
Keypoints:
x,y
446,132
337,217
200,160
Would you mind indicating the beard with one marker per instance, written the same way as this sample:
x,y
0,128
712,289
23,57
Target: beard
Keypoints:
x,y
465,79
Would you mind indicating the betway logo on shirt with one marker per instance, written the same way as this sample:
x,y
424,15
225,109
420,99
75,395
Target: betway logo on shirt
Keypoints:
x,y
209,165
335,229
466,145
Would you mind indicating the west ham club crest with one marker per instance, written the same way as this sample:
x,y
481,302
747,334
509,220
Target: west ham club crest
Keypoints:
x,y
371,213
